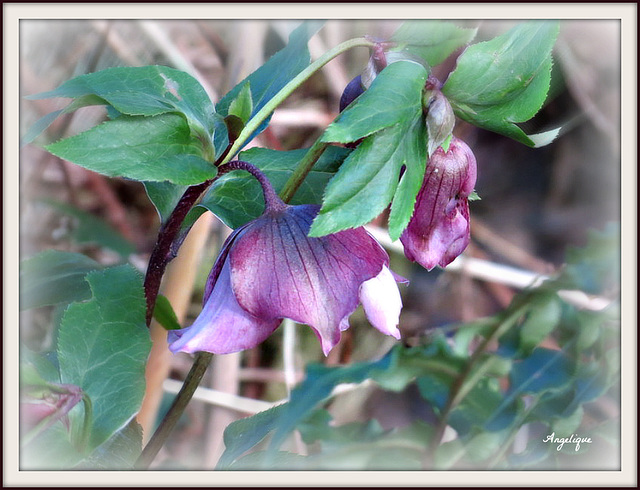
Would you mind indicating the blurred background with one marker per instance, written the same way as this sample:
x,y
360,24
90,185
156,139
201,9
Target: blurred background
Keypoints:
x,y
534,202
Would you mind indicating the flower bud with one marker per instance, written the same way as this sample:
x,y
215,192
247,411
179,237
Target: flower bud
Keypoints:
x,y
439,229
351,92
440,118
380,58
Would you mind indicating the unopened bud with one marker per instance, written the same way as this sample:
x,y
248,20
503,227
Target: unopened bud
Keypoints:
x,y
351,92
440,119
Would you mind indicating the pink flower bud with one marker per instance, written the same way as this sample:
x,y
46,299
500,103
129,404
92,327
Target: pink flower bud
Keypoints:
x,y
439,229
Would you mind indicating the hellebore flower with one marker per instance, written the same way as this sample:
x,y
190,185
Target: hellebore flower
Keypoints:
x,y
269,269
439,229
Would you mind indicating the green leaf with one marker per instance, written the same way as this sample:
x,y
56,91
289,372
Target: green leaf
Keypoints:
x,y
365,446
279,70
565,427
366,181
54,277
448,454
91,229
103,348
415,160
540,322
406,364
164,196
242,105
243,434
432,40
120,452
504,81
141,148
44,122
35,368
236,197
164,314
317,386
265,461
320,428
542,371
395,96
589,383
143,91
39,126
435,388
483,445
477,409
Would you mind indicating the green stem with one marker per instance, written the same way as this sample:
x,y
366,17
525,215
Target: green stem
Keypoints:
x,y
467,379
302,170
191,382
288,89
88,422
516,426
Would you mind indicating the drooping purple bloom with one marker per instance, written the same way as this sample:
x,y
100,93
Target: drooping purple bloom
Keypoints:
x,y
439,229
269,269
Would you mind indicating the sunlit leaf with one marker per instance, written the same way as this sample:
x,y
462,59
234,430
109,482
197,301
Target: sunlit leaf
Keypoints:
x,y
505,80
432,40
394,97
155,148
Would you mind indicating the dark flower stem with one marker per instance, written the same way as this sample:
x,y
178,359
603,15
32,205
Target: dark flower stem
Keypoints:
x,y
271,199
191,382
162,252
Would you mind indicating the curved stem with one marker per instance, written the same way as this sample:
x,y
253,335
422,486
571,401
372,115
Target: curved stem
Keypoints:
x,y
253,124
161,254
191,382
271,199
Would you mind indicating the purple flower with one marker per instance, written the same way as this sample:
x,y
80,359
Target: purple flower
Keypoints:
x,y
439,228
269,269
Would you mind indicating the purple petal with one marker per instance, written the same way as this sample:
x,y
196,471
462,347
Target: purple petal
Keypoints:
x,y
278,271
223,326
220,261
382,303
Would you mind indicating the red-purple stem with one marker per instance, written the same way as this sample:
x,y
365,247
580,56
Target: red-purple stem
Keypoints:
x,y
162,253
271,199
